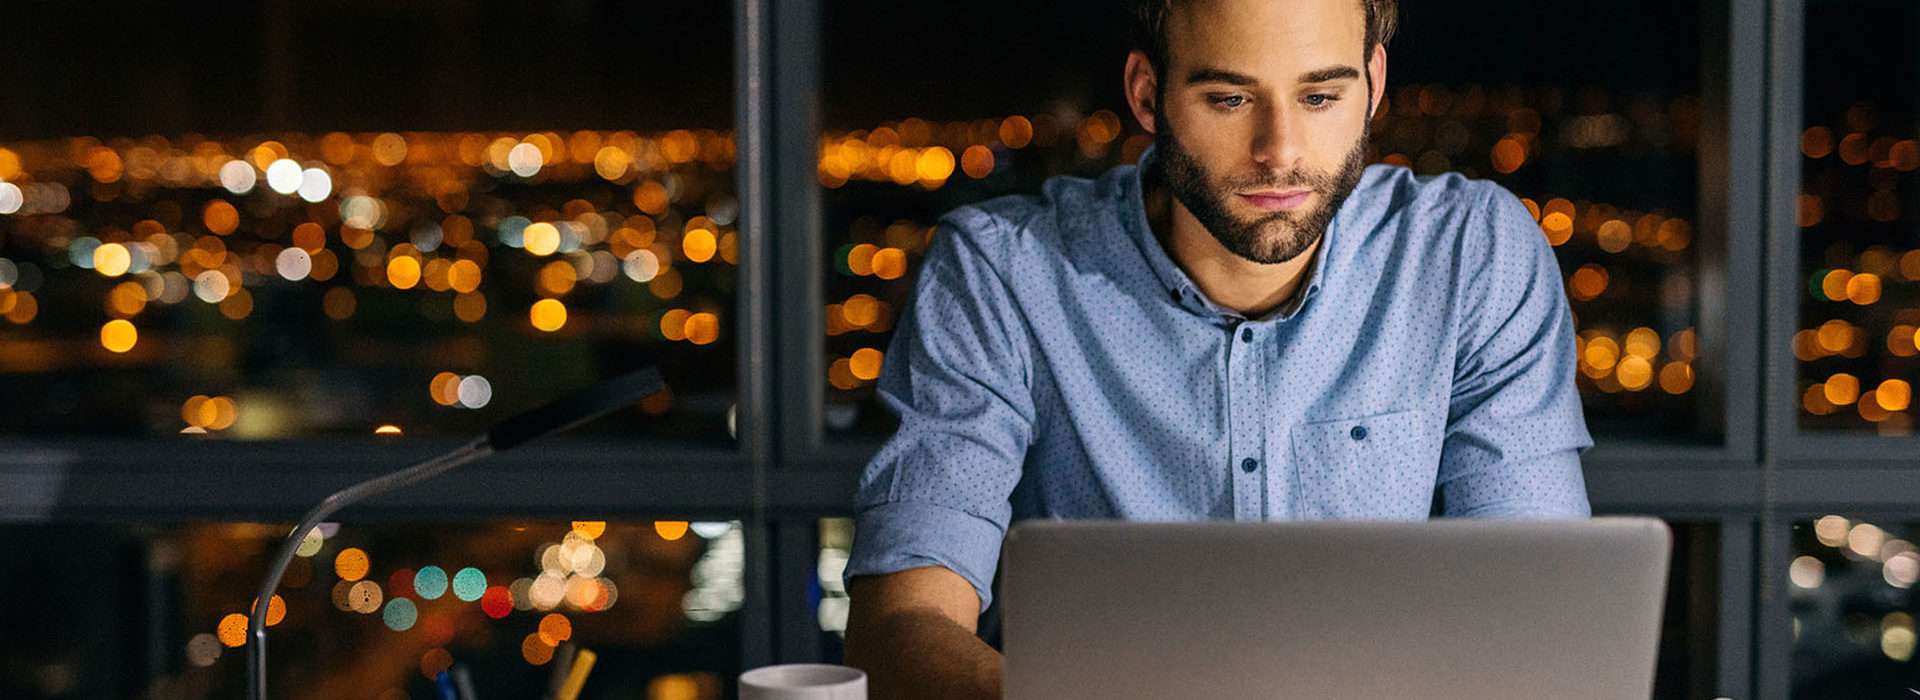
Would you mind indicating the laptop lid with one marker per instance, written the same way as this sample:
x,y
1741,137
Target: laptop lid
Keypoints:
x,y
1446,609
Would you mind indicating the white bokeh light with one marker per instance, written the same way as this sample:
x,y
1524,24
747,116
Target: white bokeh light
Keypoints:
x,y
315,185
283,176
11,198
237,176
475,391
212,286
294,264
641,265
524,160
361,211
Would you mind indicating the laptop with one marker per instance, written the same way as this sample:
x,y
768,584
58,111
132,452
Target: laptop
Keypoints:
x,y
1444,610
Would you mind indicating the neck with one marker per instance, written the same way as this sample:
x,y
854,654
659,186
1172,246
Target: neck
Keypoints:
x,y
1246,287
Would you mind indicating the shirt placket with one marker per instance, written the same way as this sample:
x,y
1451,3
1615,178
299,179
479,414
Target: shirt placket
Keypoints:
x,y
1246,418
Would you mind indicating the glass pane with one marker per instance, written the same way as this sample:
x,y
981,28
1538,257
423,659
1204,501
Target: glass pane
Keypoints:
x,y
1851,593
299,219
1690,630
1858,230
829,591
372,611
1590,112
1688,639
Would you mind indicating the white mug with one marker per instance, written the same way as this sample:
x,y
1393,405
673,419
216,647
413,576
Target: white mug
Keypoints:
x,y
804,682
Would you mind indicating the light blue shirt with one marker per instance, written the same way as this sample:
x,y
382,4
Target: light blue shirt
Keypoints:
x,y
1056,363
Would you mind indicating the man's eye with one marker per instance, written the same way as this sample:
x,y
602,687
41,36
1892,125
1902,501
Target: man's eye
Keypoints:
x,y
1230,101
1320,100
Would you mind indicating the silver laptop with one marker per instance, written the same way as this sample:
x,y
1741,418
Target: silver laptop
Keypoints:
x,y
1444,610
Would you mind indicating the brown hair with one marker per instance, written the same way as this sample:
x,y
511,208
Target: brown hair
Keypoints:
x,y
1149,21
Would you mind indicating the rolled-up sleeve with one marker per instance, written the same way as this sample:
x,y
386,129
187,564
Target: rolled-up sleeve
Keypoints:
x,y
957,373
1514,426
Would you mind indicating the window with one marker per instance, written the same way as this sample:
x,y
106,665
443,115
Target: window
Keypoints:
x,y
1856,217
372,611
1850,590
296,220
1592,114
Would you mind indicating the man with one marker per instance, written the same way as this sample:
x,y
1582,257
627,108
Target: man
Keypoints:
x,y
1249,325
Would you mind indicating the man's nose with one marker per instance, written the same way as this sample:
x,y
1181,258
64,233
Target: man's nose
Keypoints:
x,y
1277,142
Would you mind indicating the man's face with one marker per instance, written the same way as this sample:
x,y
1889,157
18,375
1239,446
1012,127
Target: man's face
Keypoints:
x,y
1262,118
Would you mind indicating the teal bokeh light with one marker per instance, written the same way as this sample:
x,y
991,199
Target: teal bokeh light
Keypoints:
x,y
400,614
469,584
430,583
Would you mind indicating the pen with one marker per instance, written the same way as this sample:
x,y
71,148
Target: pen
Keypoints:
x,y
582,665
444,684
463,683
562,664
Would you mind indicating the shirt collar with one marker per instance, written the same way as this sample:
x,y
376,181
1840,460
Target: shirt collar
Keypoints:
x,y
1180,288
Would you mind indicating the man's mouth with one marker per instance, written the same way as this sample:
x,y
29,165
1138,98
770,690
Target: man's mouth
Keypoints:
x,y
1276,200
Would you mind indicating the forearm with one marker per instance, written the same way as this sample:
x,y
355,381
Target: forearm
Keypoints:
x,y
1545,486
922,656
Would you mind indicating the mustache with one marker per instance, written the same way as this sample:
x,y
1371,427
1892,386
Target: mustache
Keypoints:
x,y
1270,179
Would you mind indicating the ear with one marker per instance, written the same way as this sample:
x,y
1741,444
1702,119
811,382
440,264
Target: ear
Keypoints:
x,y
1142,87
1377,75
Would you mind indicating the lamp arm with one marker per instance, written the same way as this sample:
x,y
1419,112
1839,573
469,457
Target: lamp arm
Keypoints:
x,y
257,621
557,416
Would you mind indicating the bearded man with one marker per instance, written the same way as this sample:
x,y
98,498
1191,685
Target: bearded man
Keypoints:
x,y
1249,324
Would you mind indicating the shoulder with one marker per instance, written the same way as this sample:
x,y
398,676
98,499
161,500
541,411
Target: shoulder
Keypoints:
x,y
1449,216
1446,202
1028,229
1468,246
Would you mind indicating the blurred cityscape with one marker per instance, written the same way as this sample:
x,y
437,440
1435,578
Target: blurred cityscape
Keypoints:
x,y
335,284
1851,578
1853,605
1857,216
281,220
372,611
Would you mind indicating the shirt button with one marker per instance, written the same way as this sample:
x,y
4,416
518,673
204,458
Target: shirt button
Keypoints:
x,y
1359,432
1246,335
1249,464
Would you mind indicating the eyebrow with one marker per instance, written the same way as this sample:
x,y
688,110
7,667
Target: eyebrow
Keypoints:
x,y
1216,75
1323,75
1326,75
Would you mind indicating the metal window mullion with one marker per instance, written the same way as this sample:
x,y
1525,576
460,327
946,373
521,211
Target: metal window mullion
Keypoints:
x,y
1748,397
798,543
1738,263
799,365
1734,657
1773,633
798,219
777,80
752,105
53,481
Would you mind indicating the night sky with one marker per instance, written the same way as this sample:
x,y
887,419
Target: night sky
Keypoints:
x,y
223,67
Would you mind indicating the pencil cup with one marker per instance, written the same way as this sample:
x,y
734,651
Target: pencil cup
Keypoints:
x,y
804,682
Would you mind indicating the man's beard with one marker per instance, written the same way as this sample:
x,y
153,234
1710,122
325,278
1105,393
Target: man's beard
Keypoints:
x,y
1276,237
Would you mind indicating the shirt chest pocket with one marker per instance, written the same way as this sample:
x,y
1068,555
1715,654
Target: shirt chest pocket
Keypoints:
x,y
1379,467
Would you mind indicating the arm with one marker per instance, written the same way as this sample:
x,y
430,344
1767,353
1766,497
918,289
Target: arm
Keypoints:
x,y
1514,426
913,631
932,506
